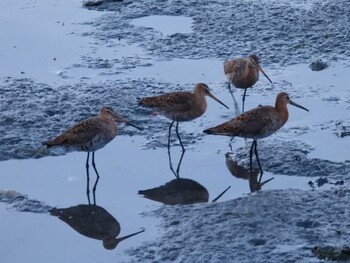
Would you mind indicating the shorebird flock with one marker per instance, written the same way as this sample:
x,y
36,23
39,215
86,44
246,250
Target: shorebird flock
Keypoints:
x,y
94,133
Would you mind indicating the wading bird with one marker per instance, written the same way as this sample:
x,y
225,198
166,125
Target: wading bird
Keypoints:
x,y
257,123
90,135
180,106
243,73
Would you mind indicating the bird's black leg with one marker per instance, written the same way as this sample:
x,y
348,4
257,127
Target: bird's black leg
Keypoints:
x,y
169,154
234,100
97,178
178,136
231,92
87,178
257,159
171,125
243,99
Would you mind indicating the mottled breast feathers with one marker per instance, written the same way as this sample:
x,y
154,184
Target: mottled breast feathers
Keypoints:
x,y
90,134
241,73
257,123
177,106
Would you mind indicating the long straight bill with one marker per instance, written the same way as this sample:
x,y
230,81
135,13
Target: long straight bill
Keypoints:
x,y
297,105
133,125
216,99
261,70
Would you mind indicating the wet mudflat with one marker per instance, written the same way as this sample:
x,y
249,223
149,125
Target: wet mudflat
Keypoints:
x,y
115,53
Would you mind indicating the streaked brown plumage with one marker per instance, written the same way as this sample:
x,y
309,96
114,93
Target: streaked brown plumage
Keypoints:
x,y
90,135
257,123
180,106
243,73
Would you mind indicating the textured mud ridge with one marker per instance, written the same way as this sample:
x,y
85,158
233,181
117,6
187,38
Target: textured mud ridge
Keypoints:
x,y
22,203
33,112
281,32
279,226
291,158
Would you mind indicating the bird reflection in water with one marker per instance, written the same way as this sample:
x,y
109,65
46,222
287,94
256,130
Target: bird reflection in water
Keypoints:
x,y
179,191
241,172
94,222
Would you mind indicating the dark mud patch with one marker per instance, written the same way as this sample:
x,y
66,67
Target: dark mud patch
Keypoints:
x,y
110,66
330,253
280,32
318,65
22,203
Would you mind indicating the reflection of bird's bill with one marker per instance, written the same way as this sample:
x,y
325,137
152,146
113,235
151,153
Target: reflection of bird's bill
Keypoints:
x,y
216,99
297,105
261,70
266,181
131,235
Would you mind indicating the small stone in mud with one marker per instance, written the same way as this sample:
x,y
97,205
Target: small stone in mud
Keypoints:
x,y
175,222
344,134
318,65
257,242
308,224
332,253
92,3
341,182
321,181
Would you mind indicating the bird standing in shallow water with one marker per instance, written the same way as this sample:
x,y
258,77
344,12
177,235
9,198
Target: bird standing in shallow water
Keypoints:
x,y
243,73
180,106
257,123
90,135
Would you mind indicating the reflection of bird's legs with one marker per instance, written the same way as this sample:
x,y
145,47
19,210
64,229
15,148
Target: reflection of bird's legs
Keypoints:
x,y
230,144
183,150
169,155
243,99
178,136
87,178
97,178
257,159
179,164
